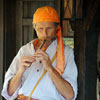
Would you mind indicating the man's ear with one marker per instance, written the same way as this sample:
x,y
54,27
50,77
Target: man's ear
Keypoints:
x,y
34,26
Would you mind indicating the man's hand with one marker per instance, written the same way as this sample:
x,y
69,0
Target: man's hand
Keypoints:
x,y
25,62
42,56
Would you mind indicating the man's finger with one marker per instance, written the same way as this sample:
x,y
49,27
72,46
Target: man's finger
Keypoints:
x,y
28,59
41,52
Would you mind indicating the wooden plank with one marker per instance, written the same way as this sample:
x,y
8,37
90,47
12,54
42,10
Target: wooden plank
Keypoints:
x,y
91,56
1,43
86,57
35,0
30,7
27,22
91,64
98,62
19,15
26,34
58,7
31,33
92,8
79,51
25,9
10,32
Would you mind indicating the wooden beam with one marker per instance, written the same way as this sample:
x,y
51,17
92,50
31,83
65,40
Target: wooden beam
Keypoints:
x,y
79,51
10,32
27,22
35,0
91,57
91,10
1,43
91,65
86,54
19,15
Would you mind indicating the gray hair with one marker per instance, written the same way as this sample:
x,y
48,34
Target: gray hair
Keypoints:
x,y
34,24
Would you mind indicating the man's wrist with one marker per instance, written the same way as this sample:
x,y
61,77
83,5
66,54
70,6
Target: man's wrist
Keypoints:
x,y
21,70
51,70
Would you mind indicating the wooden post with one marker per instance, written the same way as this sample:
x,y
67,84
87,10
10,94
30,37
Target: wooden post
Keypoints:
x,y
91,65
1,44
86,41
79,51
91,57
9,32
19,14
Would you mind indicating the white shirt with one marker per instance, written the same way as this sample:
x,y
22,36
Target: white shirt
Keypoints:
x,y
45,90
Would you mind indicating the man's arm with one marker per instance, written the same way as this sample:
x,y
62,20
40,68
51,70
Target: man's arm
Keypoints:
x,y
62,86
25,62
15,82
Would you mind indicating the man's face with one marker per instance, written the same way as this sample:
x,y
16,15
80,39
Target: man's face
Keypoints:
x,y
46,30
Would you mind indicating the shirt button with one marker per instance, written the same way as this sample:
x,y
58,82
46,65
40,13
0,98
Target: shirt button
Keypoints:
x,y
37,70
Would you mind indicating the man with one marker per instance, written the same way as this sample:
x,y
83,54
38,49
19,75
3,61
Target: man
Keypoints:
x,y
56,61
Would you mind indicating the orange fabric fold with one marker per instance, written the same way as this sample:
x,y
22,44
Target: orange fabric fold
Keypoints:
x,y
22,97
60,51
49,14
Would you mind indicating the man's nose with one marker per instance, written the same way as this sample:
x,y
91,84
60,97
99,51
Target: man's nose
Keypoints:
x,y
45,32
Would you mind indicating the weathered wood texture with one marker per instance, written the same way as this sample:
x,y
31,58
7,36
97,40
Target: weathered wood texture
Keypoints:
x,y
8,40
79,51
1,43
91,8
86,41
91,65
19,15
91,57
10,32
98,61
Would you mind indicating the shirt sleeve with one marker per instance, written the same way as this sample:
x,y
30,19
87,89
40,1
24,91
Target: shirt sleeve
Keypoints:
x,y
9,75
70,74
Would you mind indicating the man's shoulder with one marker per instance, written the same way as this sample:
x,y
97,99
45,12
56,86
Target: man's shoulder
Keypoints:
x,y
27,45
67,48
27,48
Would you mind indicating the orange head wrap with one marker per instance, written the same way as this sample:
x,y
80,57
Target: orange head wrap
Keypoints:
x,y
49,14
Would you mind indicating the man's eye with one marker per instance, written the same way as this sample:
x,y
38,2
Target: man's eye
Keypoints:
x,y
49,28
40,28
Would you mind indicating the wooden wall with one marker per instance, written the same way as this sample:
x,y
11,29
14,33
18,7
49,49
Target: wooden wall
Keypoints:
x,y
1,43
98,57
9,32
91,56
